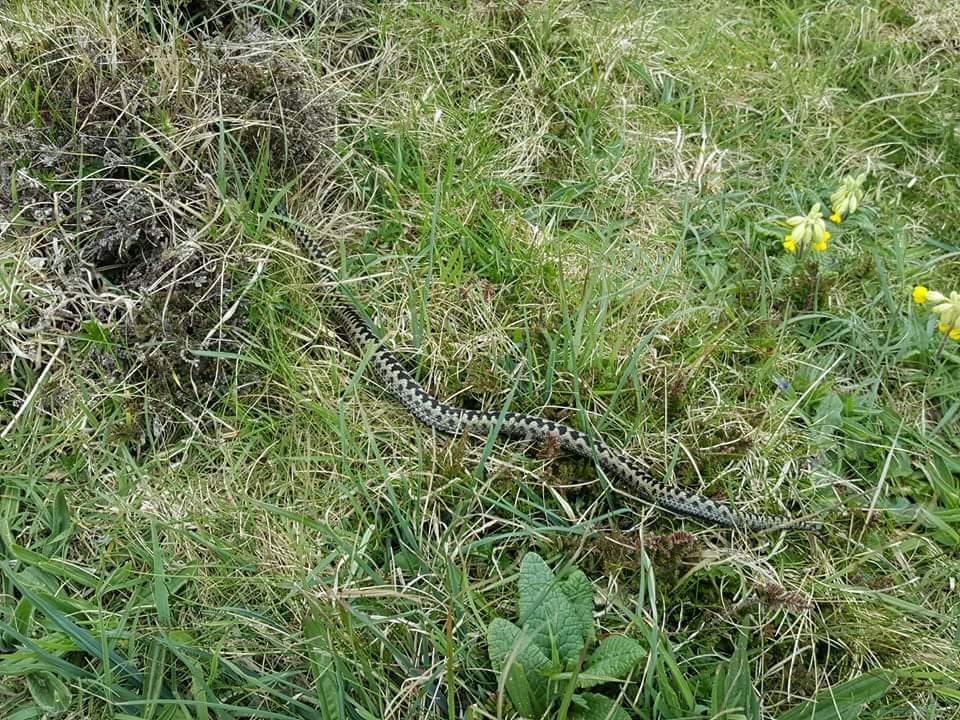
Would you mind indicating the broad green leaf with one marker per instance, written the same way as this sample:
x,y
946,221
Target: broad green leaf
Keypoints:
x,y
504,639
613,659
578,590
328,686
536,579
23,616
33,654
56,567
733,686
524,698
591,706
829,415
513,651
48,691
161,593
845,700
49,606
673,679
545,611
323,665
27,713
671,700
60,524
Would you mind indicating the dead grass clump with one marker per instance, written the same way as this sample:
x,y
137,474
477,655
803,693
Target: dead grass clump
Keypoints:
x,y
273,106
230,17
118,162
106,259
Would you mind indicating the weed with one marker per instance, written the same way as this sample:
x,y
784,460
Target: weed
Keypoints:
x,y
545,659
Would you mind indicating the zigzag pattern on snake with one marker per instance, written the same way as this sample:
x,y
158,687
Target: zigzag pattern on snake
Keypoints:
x,y
453,420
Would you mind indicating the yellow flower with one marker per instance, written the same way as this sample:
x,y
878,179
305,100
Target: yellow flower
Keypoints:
x,y
807,228
835,217
788,244
847,197
948,309
921,296
820,246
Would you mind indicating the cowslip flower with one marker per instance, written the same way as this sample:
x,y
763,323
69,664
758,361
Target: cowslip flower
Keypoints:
x,y
809,228
846,198
947,308
952,332
921,295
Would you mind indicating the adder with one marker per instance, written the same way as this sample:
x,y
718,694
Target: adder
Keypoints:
x,y
453,420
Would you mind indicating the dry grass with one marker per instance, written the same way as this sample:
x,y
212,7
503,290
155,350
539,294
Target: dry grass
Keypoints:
x,y
566,207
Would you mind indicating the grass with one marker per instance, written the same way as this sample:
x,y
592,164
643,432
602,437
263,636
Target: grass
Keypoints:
x,y
210,510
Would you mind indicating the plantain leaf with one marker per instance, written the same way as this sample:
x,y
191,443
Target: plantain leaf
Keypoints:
x,y
733,686
323,665
48,691
84,640
54,566
844,701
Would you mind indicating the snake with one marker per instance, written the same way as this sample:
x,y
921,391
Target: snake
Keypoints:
x,y
627,471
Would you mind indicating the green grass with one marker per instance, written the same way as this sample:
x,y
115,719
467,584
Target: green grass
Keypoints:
x,y
209,510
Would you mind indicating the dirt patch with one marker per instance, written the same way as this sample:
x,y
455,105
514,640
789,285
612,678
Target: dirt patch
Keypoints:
x,y
107,260
114,181
276,109
227,17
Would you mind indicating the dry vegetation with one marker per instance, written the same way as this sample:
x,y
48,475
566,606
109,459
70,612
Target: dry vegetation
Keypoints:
x,y
208,509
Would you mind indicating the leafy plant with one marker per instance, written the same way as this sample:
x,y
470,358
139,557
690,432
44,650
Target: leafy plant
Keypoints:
x,y
551,653
844,701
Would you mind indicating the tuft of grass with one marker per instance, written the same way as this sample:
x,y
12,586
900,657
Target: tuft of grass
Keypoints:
x,y
208,509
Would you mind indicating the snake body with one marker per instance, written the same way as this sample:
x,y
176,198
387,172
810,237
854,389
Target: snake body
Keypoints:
x,y
453,420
